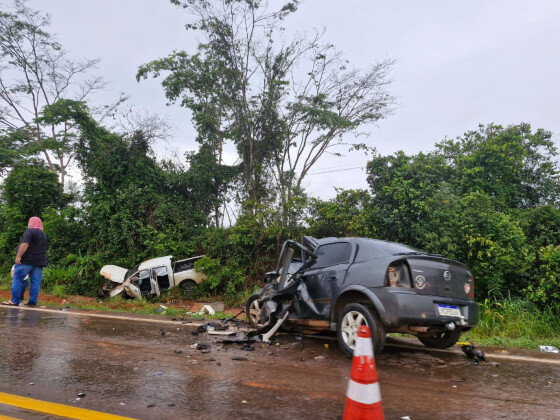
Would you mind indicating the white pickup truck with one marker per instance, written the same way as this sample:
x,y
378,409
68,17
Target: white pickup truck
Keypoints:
x,y
151,277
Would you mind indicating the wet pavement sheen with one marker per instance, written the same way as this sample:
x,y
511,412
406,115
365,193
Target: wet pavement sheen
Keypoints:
x,y
149,370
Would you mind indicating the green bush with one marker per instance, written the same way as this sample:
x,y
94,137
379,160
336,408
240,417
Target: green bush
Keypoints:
x,y
224,279
60,290
546,280
78,275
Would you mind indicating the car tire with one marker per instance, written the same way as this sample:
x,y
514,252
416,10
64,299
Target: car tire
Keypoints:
x,y
188,287
351,318
441,340
253,312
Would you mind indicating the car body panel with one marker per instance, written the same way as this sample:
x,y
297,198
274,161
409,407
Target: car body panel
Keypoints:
x,y
114,273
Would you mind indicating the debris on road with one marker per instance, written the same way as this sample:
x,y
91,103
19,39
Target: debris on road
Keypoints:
x,y
474,353
549,349
207,309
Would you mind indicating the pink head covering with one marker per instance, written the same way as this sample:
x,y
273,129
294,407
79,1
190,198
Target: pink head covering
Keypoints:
x,y
35,223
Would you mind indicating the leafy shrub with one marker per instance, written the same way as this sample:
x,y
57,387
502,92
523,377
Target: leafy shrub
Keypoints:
x,y
79,275
60,290
225,279
546,282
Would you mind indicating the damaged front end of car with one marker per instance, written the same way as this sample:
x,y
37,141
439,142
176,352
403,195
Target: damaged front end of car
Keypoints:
x,y
283,292
115,278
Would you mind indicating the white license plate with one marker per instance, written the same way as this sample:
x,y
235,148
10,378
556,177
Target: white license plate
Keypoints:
x,y
449,310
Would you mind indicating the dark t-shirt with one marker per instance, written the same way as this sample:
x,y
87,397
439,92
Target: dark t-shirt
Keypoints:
x,y
36,253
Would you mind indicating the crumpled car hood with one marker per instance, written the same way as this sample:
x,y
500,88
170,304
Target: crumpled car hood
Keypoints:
x,y
114,273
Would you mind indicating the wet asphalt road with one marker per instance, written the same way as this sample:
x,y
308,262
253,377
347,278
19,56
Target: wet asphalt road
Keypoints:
x,y
147,369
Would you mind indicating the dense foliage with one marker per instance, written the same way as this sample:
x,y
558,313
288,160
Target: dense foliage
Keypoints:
x,y
488,198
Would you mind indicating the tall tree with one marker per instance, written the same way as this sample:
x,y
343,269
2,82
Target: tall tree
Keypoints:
x,y
283,103
515,166
36,71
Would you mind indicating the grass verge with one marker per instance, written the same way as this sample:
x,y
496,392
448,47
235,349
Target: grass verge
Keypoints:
x,y
514,322
120,305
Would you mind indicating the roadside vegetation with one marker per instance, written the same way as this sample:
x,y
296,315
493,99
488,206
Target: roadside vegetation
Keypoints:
x,y
488,198
515,323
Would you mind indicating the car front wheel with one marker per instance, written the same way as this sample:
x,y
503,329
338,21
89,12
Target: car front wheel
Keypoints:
x,y
441,340
253,312
353,317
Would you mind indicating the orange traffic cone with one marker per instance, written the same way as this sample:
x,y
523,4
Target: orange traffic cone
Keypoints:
x,y
363,398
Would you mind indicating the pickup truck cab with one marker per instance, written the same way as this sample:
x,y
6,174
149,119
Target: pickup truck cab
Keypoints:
x,y
152,277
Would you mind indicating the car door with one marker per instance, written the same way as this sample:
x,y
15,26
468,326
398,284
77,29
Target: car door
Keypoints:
x,y
161,279
144,282
324,279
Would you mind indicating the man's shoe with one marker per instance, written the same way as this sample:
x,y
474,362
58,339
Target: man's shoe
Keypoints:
x,y
30,304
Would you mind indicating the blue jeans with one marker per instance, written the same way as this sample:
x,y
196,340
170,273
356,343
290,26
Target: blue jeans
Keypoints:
x,y
19,284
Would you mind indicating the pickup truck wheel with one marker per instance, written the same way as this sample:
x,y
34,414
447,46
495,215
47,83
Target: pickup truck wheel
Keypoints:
x,y
253,312
188,288
351,318
441,340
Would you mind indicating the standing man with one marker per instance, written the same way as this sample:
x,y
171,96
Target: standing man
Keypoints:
x,y
30,259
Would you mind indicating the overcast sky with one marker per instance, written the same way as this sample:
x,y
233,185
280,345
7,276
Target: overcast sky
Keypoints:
x,y
459,63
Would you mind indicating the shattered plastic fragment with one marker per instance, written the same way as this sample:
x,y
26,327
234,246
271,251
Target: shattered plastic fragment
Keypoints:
x,y
549,349
207,309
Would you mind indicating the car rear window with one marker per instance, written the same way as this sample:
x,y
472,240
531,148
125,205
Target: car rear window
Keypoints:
x,y
375,248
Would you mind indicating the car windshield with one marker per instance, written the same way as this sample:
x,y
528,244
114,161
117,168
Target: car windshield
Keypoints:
x,y
132,271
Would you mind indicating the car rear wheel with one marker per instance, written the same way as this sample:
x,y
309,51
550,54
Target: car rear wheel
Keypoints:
x,y
188,287
441,340
253,312
351,318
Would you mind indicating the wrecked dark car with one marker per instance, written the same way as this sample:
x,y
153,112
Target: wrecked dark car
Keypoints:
x,y
151,277
339,284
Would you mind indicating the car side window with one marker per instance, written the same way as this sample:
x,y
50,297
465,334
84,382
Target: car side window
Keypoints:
x,y
332,254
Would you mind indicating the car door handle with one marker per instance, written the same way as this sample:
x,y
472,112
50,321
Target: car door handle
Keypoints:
x,y
332,276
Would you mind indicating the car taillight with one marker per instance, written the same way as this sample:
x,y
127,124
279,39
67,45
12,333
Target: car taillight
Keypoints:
x,y
471,294
397,276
